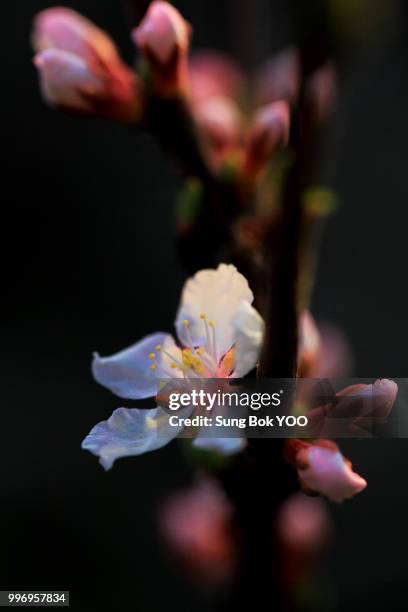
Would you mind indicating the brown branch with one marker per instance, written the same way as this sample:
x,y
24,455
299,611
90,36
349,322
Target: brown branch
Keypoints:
x,y
171,123
279,356
262,480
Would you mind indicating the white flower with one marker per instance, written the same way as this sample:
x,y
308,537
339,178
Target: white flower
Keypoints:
x,y
220,336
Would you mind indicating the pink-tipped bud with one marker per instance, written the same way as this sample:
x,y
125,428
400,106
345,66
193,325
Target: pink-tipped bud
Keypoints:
x,y
385,393
329,474
163,32
68,82
196,526
65,29
220,122
356,410
373,403
303,527
279,79
303,524
322,469
163,37
214,75
80,67
269,132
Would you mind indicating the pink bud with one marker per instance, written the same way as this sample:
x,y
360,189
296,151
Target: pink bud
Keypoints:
x,y
195,524
269,131
380,398
303,524
163,32
385,393
68,82
335,359
163,37
80,68
214,75
356,410
220,122
65,29
303,527
279,79
325,471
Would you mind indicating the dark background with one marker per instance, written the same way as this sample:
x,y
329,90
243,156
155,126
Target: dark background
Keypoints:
x,y
89,262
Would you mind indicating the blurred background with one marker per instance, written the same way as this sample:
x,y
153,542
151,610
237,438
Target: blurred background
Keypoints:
x,y
89,263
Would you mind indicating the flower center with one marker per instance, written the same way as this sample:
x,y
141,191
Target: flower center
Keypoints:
x,y
195,360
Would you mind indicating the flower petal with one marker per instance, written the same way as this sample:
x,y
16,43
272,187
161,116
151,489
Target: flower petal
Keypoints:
x,y
128,373
66,80
65,29
69,82
217,294
249,332
128,433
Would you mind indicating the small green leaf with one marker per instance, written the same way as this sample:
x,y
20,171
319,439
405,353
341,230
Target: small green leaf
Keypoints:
x,y
189,202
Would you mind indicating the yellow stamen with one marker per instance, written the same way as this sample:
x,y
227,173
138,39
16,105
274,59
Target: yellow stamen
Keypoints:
x,y
186,324
213,341
153,366
158,348
203,316
193,362
172,358
152,356
207,335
